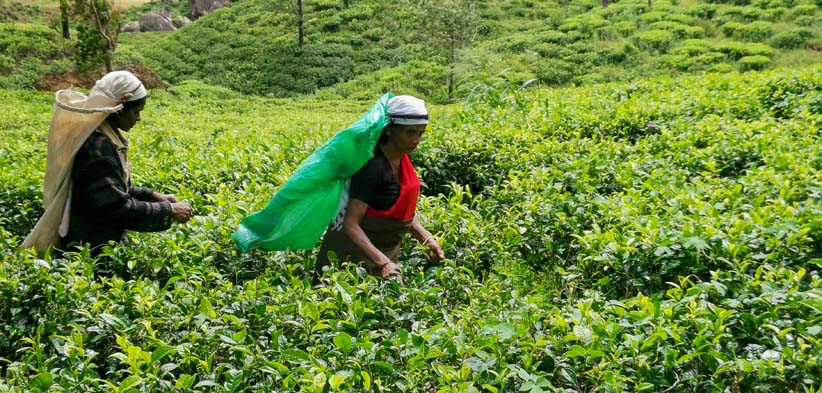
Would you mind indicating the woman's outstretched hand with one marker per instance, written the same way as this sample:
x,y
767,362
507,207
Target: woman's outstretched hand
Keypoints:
x,y
390,271
434,252
181,212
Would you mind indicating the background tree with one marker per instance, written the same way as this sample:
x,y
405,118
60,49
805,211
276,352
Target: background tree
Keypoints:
x,y
300,32
447,26
64,18
97,31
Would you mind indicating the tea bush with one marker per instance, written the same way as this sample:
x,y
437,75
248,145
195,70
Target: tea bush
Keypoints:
x,y
754,32
662,234
754,62
792,38
804,10
654,40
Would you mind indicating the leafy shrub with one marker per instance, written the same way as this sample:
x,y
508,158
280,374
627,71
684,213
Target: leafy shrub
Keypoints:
x,y
793,38
730,28
423,79
514,43
623,11
608,33
775,14
734,2
625,28
680,30
703,11
571,25
691,47
757,62
556,71
653,16
786,96
765,4
553,37
585,24
7,64
655,40
621,54
755,31
806,20
197,89
804,10
687,59
739,14
721,67
554,51
682,18
737,50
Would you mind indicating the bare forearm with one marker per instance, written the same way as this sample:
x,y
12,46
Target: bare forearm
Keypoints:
x,y
418,231
360,239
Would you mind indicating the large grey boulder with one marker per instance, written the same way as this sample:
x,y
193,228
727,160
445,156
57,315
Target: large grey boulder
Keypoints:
x,y
153,21
131,27
201,7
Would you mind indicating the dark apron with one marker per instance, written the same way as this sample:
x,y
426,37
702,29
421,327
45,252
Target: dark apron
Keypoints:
x,y
384,233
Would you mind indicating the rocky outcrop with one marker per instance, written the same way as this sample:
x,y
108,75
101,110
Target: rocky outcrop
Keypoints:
x,y
131,27
153,21
201,7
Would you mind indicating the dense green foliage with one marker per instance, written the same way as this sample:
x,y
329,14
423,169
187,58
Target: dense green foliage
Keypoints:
x,y
359,49
660,235
29,51
355,49
18,11
252,47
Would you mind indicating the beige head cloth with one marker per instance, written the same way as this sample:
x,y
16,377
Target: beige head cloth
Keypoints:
x,y
74,118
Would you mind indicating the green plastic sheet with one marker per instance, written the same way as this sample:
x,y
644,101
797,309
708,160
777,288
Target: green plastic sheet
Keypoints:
x,y
298,214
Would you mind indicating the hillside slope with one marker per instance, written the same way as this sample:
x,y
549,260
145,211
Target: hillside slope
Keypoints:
x,y
358,49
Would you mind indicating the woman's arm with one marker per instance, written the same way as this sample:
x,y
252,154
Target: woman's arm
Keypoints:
x,y
149,195
98,177
425,237
354,214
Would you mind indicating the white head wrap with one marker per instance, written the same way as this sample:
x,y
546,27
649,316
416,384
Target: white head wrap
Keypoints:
x,y
121,86
407,110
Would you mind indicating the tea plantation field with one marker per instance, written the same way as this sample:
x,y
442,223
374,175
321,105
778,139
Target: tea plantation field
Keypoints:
x,y
663,235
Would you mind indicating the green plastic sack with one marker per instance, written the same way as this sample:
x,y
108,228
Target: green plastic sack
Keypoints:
x,y
298,214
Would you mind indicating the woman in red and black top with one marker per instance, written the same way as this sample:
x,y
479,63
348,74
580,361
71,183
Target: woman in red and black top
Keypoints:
x,y
383,198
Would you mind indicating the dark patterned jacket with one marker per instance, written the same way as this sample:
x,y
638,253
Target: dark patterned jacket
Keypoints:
x,y
103,206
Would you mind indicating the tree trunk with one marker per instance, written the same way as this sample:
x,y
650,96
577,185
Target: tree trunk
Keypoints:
x,y
649,3
605,3
109,56
452,64
300,22
64,18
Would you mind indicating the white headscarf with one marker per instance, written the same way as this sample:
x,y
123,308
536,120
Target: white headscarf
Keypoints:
x,y
407,110
74,118
121,86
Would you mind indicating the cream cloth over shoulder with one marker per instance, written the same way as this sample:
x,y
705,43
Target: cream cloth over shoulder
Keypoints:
x,y
74,118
